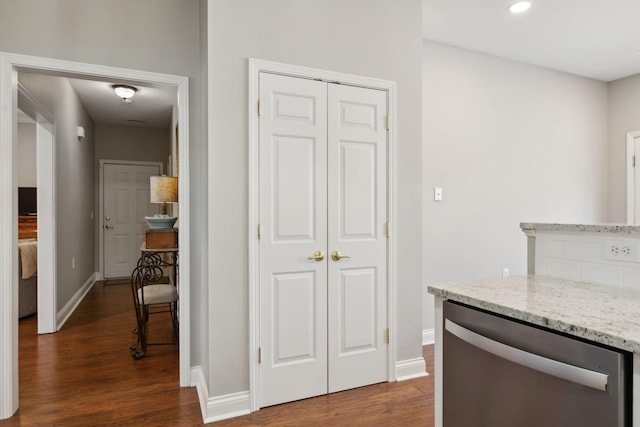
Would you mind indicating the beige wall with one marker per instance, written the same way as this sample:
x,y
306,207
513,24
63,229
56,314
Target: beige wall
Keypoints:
x,y
374,38
508,143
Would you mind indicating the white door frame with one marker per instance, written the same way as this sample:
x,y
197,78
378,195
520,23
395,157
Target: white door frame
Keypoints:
x,y
9,66
257,66
45,172
103,162
631,187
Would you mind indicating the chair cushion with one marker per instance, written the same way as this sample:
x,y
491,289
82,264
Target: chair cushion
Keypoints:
x,y
158,294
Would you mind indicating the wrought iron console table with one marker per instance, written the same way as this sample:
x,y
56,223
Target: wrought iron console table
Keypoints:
x,y
154,291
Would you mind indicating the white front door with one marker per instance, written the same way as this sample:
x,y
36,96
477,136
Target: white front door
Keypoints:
x,y
323,151
125,204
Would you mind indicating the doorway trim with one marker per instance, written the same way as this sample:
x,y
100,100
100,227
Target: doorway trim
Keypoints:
x,y
256,66
631,187
10,64
101,164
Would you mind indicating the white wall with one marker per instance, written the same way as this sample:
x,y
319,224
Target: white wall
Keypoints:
x,y
508,143
153,35
624,116
27,168
374,38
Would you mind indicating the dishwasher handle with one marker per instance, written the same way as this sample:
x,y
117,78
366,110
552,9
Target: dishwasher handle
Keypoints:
x,y
576,374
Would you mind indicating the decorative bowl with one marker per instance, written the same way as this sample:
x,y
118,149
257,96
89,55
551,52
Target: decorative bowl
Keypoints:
x,y
161,221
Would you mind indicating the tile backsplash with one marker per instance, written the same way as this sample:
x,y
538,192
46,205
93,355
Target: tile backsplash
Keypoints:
x,y
601,258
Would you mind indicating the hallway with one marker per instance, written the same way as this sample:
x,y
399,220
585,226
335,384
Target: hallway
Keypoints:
x,y
85,375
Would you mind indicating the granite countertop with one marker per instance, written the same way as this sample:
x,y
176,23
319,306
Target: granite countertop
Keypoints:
x,y
581,228
603,314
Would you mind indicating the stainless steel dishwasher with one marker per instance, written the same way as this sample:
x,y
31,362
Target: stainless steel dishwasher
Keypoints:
x,y
501,372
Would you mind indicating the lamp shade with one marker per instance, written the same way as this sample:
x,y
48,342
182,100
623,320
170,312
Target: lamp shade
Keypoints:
x,y
163,189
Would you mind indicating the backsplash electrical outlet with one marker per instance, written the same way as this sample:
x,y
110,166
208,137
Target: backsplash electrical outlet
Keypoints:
x,y
622,250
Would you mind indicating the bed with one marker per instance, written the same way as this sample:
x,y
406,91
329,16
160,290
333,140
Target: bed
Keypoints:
x,y
27,265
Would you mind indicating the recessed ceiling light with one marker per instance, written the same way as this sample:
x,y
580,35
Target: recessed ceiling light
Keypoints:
x,y
520,7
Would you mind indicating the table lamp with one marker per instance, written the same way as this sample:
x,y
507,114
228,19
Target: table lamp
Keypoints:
x,y
163,189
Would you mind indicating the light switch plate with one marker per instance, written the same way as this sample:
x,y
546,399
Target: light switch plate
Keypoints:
x,y
437,194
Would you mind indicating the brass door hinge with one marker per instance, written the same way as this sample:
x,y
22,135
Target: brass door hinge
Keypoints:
x,y
386,122
259,231
259,354
386,336
259,108
387,229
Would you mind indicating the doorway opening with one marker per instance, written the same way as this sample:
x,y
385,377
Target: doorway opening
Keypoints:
x,y
633,177
43,171
10,65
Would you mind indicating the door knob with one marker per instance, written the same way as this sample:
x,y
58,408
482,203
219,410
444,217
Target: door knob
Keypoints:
x,y
337,256
108,227
108,218
317,256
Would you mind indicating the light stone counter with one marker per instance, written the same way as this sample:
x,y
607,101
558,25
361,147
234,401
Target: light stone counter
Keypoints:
x,y
581,228
600,313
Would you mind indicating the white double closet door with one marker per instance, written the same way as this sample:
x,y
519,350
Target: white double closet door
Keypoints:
x,y
323,191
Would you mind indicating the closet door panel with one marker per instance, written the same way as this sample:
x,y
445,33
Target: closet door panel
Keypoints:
x,y
293,194
357,214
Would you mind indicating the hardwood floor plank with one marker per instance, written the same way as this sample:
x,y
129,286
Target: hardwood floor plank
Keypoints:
x,y
84,375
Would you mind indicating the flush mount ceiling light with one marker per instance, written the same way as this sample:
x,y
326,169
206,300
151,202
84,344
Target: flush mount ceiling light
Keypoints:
x,y
125,92
520,7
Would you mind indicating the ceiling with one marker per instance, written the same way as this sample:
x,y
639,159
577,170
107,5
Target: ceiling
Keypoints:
x,y
151,106
598,39
592,38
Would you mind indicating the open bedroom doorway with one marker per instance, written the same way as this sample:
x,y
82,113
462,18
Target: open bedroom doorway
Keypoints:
x,y
36,205
10,66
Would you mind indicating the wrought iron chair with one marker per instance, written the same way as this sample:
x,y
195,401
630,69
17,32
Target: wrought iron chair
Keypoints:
x,y
153,293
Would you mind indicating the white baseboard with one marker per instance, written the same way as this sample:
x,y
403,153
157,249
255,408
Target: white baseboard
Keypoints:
x,y
68,309
219,407
238,404
410,369
428,336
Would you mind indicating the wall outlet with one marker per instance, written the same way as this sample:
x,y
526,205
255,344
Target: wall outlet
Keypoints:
x,y
505,272
73,263
622,250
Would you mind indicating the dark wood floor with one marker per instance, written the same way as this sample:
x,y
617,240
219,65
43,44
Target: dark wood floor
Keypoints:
x,y
84,375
